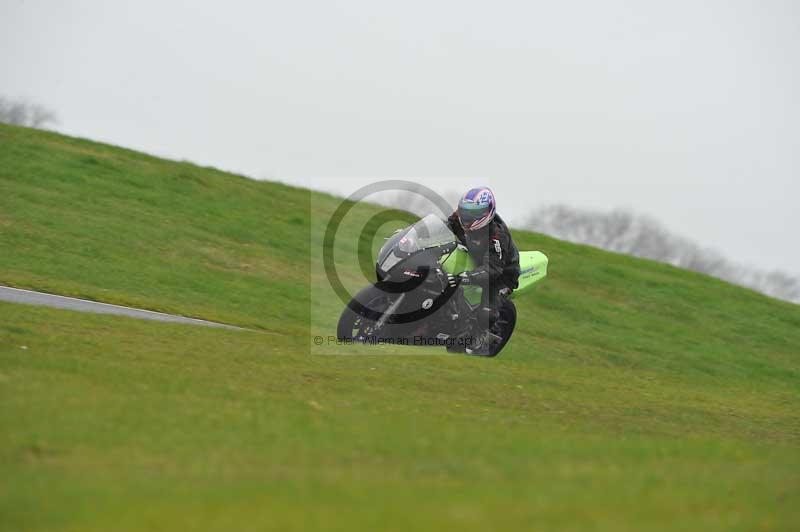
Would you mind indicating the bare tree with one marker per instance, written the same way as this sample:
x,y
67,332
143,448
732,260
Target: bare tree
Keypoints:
x,y
21,113
623,231
39,116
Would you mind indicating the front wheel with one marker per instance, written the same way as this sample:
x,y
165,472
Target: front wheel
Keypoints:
x,y
354,326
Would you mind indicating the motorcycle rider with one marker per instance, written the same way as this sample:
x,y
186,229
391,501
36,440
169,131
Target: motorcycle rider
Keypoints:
x,y
488,241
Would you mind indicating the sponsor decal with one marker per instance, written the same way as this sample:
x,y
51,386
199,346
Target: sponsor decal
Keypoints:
x,y
533,270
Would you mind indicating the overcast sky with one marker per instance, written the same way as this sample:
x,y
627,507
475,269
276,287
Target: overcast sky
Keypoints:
x,y
687,111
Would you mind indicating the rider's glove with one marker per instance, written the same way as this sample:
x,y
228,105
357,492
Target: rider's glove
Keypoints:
x,y
454,280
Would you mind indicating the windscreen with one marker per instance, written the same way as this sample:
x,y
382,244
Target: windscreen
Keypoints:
x,y
428,232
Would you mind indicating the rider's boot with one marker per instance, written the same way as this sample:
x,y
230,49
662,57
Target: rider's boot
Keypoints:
x,y
484,344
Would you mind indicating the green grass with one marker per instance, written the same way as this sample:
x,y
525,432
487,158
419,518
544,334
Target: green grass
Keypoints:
x,y
633,396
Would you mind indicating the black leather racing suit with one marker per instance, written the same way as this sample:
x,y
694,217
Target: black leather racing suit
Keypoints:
x,y
497,262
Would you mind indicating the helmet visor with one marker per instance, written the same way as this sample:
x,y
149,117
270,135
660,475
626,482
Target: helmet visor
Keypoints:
x,y
471,214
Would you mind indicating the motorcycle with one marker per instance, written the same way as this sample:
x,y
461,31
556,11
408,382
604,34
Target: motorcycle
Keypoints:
x,y
412,303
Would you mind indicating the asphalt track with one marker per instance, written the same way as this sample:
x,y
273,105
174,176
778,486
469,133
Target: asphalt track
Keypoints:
x,y
29,297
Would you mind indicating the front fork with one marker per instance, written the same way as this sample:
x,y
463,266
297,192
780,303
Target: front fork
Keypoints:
x,y
389,311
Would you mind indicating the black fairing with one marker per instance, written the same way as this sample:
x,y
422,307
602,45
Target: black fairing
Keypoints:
x,y
414,266
418,278
401,267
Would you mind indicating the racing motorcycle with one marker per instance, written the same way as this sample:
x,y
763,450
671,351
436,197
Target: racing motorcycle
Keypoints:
x,y
412,303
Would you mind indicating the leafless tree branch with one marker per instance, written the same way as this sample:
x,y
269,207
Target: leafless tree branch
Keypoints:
x,y
21,113
623,231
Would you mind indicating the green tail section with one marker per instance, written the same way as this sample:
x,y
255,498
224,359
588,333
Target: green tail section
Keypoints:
x,y
532,269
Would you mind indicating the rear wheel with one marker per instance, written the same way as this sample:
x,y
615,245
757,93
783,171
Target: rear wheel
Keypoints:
x,y
505,324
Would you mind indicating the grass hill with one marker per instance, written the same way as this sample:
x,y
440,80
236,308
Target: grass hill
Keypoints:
x,y
633,396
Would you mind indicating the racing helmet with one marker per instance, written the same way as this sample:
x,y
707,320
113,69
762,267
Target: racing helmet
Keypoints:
x,y
476,209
